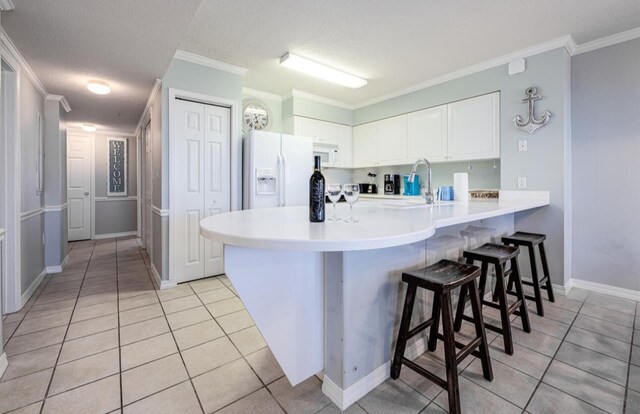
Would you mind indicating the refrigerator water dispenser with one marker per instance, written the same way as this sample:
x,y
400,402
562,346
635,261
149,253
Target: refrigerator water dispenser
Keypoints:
x,y
266,181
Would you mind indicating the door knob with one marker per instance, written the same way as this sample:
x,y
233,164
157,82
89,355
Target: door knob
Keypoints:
x,y
86,193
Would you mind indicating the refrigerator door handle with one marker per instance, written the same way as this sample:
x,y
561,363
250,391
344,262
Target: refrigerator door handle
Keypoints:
x,y
283,182
278,182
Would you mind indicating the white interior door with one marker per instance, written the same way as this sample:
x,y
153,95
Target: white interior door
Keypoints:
x,y
148,186
201,185
79,186
217,167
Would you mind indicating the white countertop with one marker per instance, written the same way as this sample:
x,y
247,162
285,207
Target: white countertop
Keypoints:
x,y
288,228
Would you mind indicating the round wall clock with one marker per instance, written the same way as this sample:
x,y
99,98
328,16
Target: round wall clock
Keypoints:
x,y
255,115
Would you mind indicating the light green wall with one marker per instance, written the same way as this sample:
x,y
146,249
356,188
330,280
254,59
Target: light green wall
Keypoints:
x,y
548,156
204,80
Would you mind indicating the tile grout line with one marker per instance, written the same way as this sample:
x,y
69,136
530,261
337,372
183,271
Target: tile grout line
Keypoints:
x,y
172,334
119,336
53,373
551,362
626,388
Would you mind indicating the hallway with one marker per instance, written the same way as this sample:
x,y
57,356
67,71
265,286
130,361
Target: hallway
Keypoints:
x,y
65,344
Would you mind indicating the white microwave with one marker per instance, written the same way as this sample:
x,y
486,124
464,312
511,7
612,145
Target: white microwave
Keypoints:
x,y
329,155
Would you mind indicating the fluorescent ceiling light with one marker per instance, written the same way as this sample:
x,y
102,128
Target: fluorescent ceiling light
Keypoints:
x,y
99,88
309,67
88,128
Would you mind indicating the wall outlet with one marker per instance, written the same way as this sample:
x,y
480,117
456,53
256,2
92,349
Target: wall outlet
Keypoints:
x,y
44,238
522,145
522,182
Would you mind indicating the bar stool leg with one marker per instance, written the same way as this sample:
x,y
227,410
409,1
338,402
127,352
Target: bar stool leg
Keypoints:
x,y
462,301
545,269
480,332
504,310
523,313
435,316
536,282
404,330
483,279
450,354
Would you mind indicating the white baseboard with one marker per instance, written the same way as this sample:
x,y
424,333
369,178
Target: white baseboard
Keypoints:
x,y
58,269
563,290
114,235
161,284
34,285
606,289
344,398
4,363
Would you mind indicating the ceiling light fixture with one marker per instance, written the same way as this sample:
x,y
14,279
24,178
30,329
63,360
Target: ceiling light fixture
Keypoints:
x,y
88,128
295,62
99,88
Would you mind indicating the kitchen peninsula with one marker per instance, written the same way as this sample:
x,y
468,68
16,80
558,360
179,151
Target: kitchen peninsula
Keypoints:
x,y
327,296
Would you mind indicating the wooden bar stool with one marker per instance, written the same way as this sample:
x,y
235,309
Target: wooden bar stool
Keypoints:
x,y
530,241
498,255
441,278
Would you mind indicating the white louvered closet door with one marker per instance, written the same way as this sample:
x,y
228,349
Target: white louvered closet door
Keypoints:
x,y
202,185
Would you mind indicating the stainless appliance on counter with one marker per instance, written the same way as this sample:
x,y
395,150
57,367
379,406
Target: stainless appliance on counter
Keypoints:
x,y
371,187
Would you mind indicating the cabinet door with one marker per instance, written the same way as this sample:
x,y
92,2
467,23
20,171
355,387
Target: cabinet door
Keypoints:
x,y
392,141
364,145
427,134
345,145
329,132
474,128
310,128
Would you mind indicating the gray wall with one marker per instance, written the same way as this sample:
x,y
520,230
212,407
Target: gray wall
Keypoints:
x,y
196,78
31,229
119,215
317,110
605,147
543,164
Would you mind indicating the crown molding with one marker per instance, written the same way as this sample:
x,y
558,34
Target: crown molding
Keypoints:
x,y
157,85
61,99
305,95
608,41
11,48
565,41
261,94
6,5
212,63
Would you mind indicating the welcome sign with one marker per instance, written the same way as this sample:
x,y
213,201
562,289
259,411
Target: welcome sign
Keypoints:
x,y
117,185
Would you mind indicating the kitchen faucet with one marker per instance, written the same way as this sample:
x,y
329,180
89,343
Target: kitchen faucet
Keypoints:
x,y
428,193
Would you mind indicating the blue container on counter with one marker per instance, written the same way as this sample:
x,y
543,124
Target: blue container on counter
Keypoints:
x,y
411,188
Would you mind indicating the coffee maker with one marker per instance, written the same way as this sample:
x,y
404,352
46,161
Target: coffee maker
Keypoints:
x,y
391,184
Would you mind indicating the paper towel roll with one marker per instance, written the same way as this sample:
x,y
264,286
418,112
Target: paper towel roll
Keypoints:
x,y
461,187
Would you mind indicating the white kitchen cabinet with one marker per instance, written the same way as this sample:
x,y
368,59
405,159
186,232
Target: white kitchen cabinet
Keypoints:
x,y
391,140
364,145
326,133
474,128
427,134
345,146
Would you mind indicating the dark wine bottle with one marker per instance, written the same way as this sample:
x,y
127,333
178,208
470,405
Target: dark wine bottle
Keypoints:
x,y
316,194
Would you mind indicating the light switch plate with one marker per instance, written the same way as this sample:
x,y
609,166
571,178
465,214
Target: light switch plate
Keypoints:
x,y
522,145
522,182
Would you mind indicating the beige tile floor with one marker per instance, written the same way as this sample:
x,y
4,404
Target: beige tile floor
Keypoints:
x,y
98,338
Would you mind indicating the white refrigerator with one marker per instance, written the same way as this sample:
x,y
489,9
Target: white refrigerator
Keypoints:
x,y
277,168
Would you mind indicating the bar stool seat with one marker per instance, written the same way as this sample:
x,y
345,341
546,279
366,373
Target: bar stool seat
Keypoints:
x,y
530,241
498,255
441,278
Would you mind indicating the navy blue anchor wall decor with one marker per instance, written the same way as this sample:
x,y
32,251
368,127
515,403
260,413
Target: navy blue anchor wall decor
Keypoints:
x,y
531,124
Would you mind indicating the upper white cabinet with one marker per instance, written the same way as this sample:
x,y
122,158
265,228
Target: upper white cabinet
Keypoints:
x,y
473,128
391,141
364,145
326,133
427,134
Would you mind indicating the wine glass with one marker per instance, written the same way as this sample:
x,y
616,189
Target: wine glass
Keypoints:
x,y
334,191
351,192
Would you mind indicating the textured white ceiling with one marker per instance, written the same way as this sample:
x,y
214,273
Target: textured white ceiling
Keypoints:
x,y
127,43
394,44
